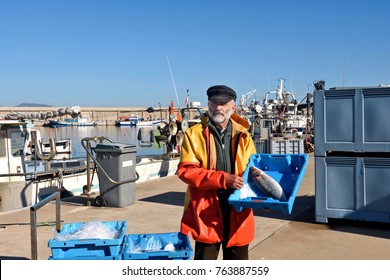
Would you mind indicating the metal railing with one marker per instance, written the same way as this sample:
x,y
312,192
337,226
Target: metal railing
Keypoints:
x,y
33,220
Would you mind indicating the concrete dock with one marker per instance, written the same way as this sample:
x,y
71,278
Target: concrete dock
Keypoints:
x,y
158,209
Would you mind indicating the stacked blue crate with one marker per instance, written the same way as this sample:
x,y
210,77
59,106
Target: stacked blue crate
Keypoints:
x,y
157,246
352,154
89,249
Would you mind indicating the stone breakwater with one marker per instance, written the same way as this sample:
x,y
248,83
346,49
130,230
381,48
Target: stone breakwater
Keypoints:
x,y
102,115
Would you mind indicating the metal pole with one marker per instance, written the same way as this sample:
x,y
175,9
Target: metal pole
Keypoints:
x,y
33,220
33,230
88,176
160,111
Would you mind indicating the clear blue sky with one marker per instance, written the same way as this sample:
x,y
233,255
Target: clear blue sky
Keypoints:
x,y
114,52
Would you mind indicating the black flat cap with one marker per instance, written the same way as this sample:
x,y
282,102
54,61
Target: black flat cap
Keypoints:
x,y
221,94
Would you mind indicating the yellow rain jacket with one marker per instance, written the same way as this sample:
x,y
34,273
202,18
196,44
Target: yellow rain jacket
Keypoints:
x,y
202,218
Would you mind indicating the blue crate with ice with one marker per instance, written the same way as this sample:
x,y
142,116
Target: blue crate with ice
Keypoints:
x,y
159,246
271,181
90,258
89,240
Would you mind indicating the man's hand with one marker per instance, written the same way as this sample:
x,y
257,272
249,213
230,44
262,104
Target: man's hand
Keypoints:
x,y
234,182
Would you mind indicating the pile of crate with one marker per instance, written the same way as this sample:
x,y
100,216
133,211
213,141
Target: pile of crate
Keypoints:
x,y
352,154
279,145
172,245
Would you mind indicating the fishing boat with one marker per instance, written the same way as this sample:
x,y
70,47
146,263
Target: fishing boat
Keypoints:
x,y
63,149
278,117
131,120
78,121
25,181
151,122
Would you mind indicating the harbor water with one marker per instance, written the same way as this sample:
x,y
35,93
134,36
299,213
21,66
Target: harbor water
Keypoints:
x,y
124,135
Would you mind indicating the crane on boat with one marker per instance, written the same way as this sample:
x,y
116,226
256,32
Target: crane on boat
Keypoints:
x,y
244,98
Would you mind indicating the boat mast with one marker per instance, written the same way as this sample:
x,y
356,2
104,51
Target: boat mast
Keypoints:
x,y
279,93
173,82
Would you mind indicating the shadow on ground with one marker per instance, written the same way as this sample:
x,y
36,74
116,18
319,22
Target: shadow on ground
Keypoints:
x,y
304,212
8,258
170,198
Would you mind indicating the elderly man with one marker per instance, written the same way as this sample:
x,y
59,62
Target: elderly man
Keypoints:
x,y
214,155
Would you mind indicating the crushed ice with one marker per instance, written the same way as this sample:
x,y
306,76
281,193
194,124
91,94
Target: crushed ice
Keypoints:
x,y
90,230
169,247
154,244
246,191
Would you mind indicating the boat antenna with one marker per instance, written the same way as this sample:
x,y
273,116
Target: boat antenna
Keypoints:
x,y
173,82
268,79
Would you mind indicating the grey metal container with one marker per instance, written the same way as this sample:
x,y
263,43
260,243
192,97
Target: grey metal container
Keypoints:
x,y
116,174
352,120
352,154
355,188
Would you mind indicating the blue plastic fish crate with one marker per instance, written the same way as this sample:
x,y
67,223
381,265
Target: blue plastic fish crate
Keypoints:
x,y
89,249
100,258
287,169
154,247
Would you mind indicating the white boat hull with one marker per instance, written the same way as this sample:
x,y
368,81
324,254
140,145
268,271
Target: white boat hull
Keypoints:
x,y
151,169
125,123
150,123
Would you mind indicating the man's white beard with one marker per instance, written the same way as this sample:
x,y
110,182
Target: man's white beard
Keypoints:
x,y
220,117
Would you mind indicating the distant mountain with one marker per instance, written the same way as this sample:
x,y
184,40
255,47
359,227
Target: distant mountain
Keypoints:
x,y
33,105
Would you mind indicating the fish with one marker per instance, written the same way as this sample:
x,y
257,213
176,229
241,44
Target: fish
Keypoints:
x,y
267,184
